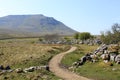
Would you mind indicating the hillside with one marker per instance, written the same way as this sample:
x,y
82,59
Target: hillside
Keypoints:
x,y
33,24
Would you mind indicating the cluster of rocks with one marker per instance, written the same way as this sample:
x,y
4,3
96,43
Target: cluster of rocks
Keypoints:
x,y
20,70
31,69
53,42
72,41
91,42
4,68
105,52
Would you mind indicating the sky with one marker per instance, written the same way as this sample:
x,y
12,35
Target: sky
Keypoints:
x,y
91,16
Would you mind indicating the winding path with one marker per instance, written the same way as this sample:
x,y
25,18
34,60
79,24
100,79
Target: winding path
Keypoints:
x,y
61,72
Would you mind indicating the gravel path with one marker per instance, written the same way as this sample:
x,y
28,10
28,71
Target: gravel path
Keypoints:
x,y
61,72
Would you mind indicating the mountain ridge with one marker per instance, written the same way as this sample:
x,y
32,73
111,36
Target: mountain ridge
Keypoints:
x,y
36,24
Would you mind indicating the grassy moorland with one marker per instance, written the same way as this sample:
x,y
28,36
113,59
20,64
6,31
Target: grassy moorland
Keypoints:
x,y
24,53
96,71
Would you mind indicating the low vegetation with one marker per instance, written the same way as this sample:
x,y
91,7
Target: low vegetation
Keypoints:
x,y
96,71
83,36
112,36
24,53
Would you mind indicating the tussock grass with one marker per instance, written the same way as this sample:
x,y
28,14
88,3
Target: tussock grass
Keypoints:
x,y
23,53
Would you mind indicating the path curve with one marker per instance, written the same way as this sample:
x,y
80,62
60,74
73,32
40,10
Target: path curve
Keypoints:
x,y
61,72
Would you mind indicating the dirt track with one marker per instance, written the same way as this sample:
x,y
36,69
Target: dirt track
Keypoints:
x,y
61,72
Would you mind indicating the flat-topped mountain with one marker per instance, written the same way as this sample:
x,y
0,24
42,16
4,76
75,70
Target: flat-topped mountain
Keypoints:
x,y
33,25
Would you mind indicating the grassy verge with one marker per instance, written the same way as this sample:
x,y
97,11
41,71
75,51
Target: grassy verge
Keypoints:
x,y
25,53
96,71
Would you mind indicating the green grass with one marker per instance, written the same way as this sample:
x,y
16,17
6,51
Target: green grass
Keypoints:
x,y
76,55
71,57
24,53
96,71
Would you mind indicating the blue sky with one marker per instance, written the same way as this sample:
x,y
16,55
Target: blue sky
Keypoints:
x,y
91,16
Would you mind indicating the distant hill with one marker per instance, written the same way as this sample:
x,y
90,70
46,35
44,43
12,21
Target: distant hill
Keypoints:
x,y
32,25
